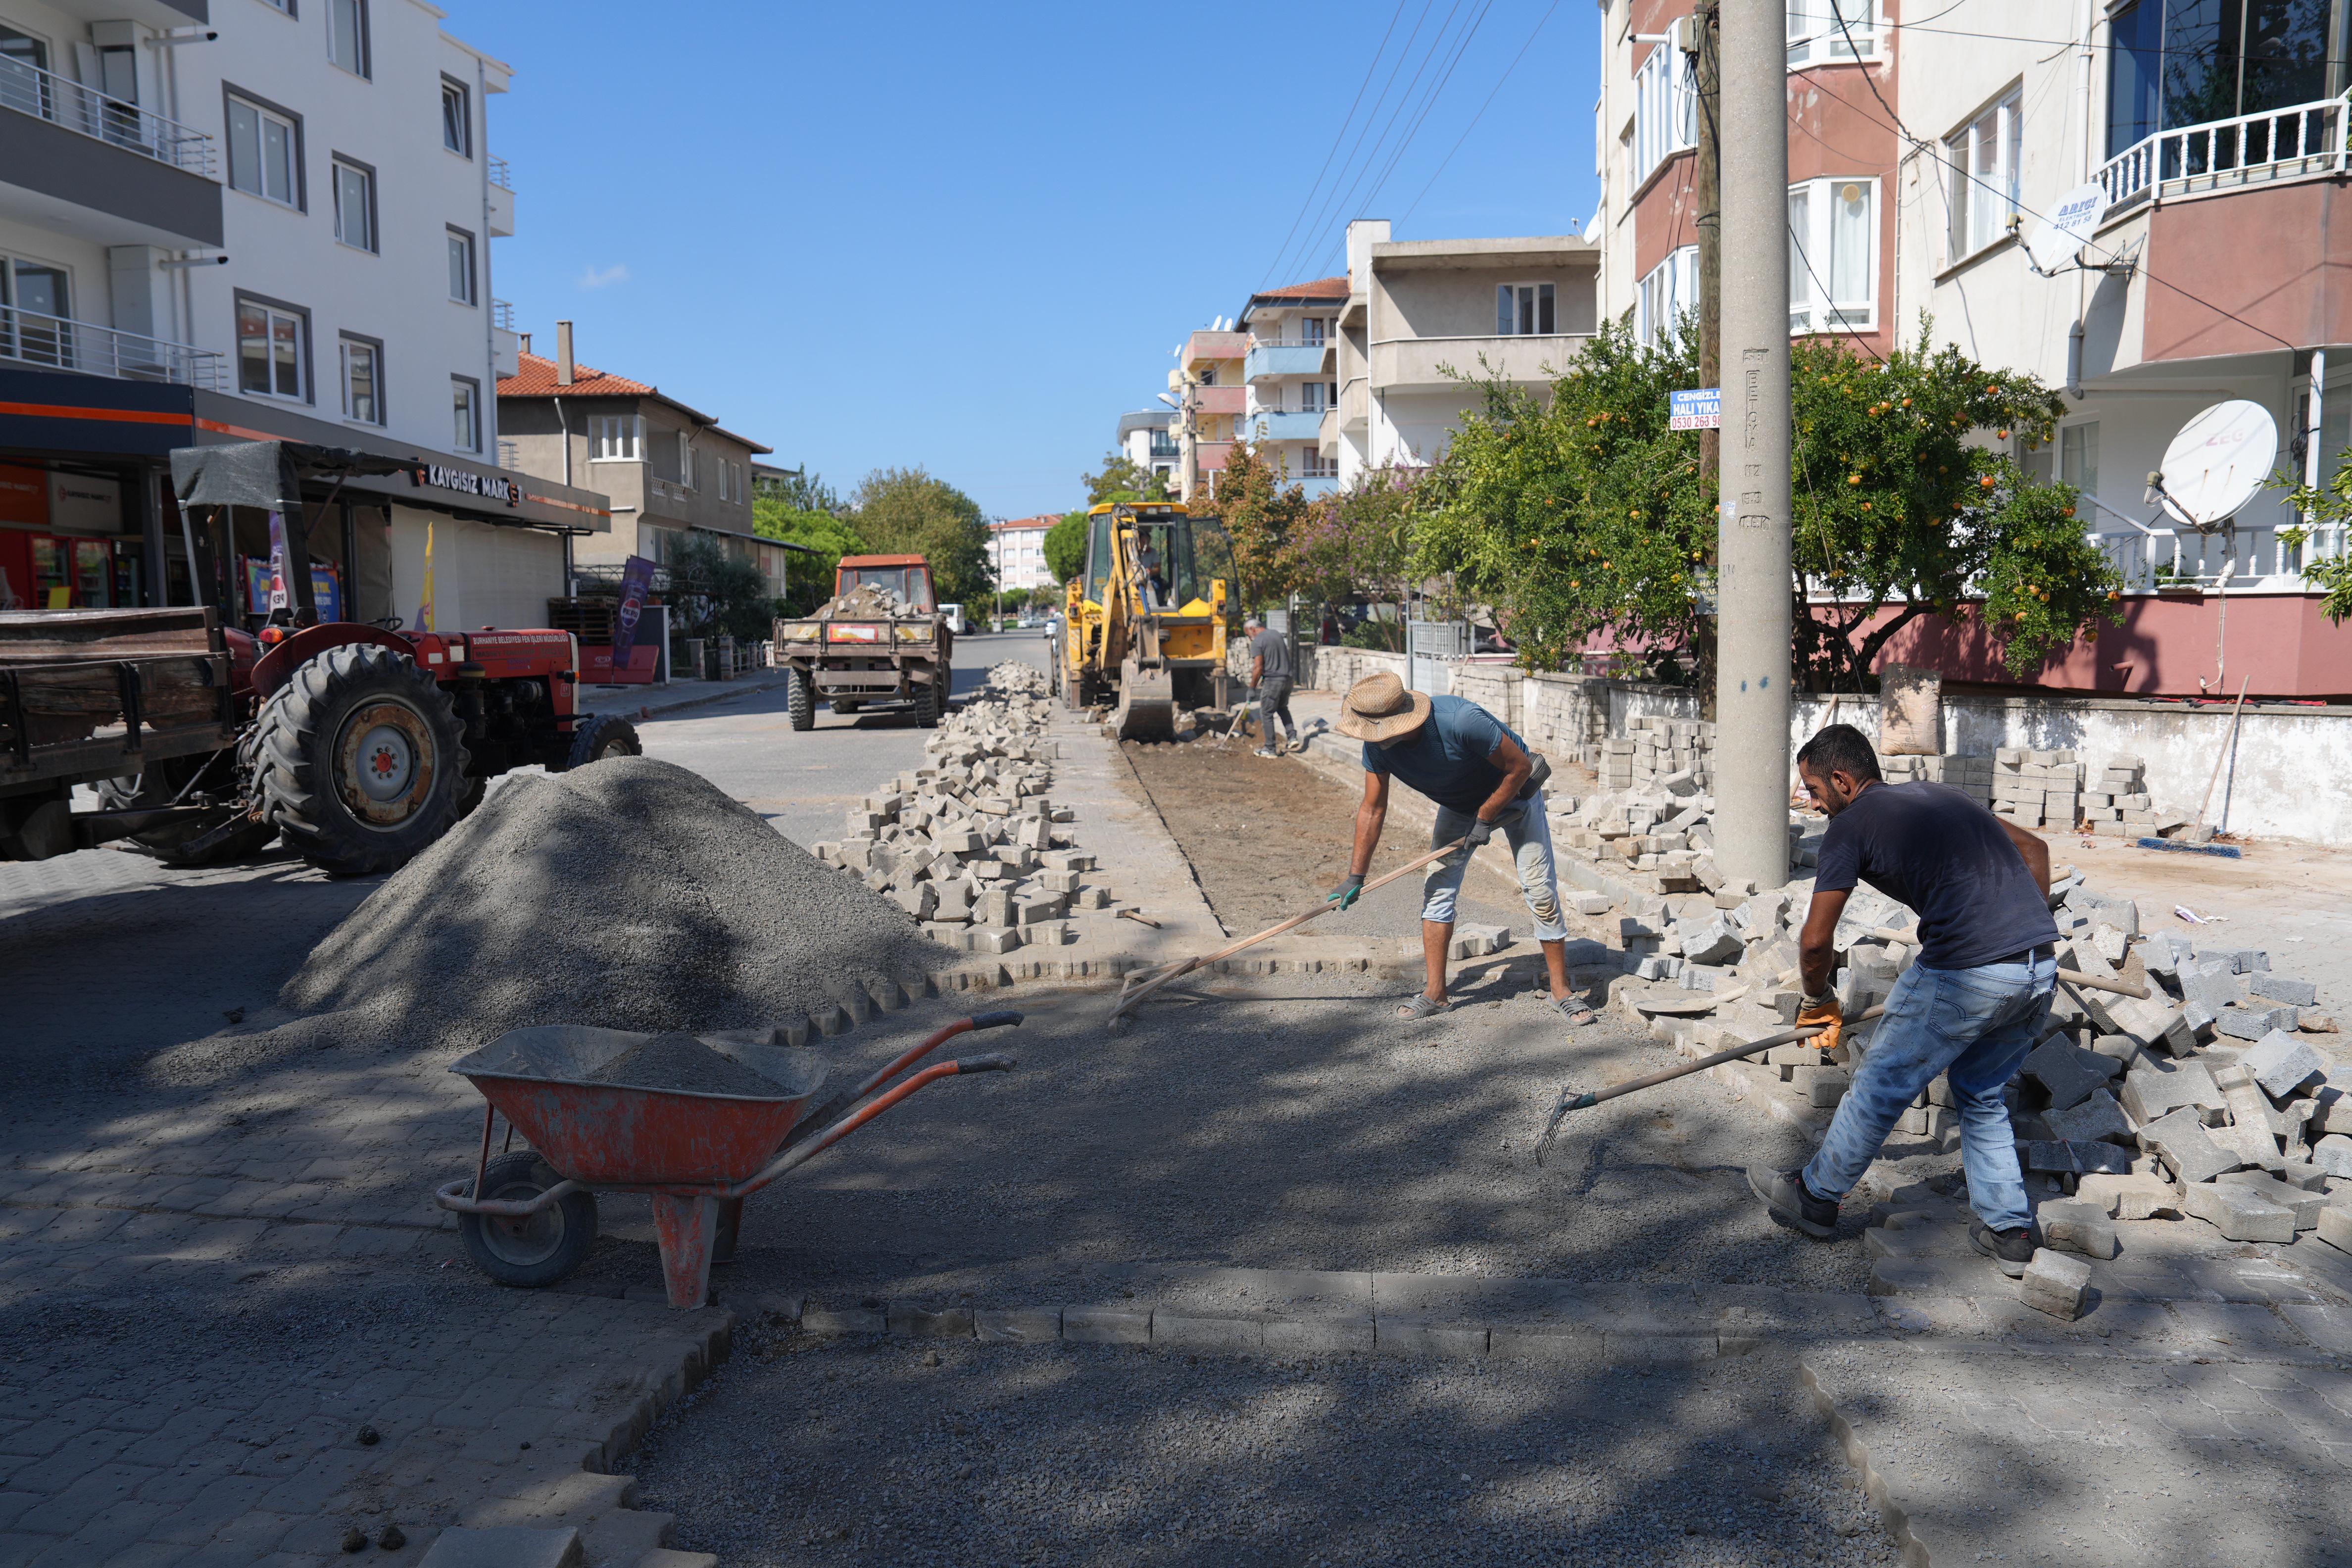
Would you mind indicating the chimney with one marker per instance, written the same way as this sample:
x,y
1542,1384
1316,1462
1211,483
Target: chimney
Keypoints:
x,y
564,354
526,341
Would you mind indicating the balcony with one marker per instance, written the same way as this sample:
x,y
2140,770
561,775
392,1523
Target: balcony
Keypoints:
x,y
33,340
1271,359
67,150
1163,449
1398,362
501,218
1274,425
2257,560
2306,139
506,343
1218,399
1355,404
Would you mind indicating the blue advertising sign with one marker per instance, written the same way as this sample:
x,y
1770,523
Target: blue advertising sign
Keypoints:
x,y
1701,409
636,582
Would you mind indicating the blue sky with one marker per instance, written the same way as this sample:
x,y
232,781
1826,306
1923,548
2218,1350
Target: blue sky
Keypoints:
x,y
966,237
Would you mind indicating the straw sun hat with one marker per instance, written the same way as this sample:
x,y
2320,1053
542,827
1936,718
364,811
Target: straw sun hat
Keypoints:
x,y
1379,707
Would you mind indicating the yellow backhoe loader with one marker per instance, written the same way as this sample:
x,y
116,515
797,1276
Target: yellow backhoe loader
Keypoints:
x,y
1138,629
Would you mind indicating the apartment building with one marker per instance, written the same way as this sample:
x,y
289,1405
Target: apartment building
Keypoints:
x,y
1145,441
2215,136
1016,551
670,470
257,219
1208,386
1288,375
1417,311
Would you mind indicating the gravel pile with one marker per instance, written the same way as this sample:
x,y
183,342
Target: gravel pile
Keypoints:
x,y
629,895
678,1061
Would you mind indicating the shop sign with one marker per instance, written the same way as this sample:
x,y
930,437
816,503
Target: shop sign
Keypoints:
x,y
466,482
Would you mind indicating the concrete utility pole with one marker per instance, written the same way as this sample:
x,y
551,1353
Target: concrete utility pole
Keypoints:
x,y
1752,583
1707,206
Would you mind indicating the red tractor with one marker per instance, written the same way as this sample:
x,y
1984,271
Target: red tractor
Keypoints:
x,y
357,743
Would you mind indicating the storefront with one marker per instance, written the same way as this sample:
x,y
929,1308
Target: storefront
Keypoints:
x,y
88,519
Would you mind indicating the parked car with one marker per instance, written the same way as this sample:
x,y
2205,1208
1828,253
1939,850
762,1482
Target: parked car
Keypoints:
x,y
954,613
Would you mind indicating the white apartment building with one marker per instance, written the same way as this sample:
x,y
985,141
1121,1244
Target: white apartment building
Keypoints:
x,y
1016,550
241,219
1288,377
1144,439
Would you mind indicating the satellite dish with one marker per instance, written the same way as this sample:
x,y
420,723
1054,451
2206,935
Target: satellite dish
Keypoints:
x,y
2217,463
2068,228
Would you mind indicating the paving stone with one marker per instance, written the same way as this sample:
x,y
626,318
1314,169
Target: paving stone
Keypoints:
x,y
2181,1139
510,1546
2099,1119
2281,1063
2306,1206
2058,1069
2332,1155
2055,1284
2282,988
2238,1213
2334,1229
2130,1197
2080,1227
2150,1092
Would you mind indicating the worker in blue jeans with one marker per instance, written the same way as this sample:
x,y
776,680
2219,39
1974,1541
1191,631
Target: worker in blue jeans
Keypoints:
x,y
1970,1008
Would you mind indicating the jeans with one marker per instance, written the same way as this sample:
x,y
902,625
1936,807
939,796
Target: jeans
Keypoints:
x,y
1530,836
1975,1025
1274,701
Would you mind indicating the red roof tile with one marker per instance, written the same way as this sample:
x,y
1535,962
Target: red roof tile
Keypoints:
x,y
537,379
1042,520
1321,288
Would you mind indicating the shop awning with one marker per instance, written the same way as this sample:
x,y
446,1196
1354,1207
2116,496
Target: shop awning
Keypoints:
x,y
268,474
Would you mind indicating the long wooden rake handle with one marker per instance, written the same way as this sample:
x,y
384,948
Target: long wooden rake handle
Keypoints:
x,y
1139,986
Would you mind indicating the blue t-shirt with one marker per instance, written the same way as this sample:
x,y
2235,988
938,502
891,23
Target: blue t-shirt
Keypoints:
x,y
1445,759
1931,847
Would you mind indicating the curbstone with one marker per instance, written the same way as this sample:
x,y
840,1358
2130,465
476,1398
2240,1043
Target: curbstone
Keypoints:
x,y
1017,1327
1429,1336
914,1323
1556,1343
509,1546
1107,1325
828,1322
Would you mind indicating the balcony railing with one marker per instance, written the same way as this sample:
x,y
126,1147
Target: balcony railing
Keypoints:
x,y
501,174
2256,558
2222,154
56,343
29,90
502,314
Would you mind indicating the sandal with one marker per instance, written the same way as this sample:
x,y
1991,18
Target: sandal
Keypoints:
x,y
1420,1007
1577,1013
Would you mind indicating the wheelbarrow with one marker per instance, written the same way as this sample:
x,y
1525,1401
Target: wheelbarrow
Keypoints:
x,y
529,1215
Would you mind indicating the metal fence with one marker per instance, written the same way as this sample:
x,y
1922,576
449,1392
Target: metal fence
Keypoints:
x,y
29,90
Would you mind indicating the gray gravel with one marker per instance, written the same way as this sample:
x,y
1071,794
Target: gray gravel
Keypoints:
x,y
809,1452
629,895
681,1062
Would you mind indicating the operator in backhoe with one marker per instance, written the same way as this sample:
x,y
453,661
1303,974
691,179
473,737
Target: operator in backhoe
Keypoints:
x,y
1481,778
1970,1008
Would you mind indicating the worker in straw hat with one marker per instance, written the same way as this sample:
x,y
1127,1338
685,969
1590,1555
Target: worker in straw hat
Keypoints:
x,y
1481,778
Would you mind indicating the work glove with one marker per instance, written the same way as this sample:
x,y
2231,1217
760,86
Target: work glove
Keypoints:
x,y
1822,1010
1346,893
1479,834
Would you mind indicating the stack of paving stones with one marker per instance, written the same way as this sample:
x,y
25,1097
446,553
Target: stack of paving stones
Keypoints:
x,y
971,846
2117,805
2037,788
1652,749
1972,777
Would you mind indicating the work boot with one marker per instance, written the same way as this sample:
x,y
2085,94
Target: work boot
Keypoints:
x,y
1792,1203
2011,1250
1265,751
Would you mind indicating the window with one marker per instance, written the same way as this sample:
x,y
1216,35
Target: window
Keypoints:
x,y
616,437
1671,288
685,458
1524,309
362,380
265,152
1314,396
465,403
1666,109
36,292
347,34
23,58
461,266
456,118
284,5
2078,458
1981,168
1312,330
1826,32
2173,63
2134,58
355,204
1833,255
273,349
1313,465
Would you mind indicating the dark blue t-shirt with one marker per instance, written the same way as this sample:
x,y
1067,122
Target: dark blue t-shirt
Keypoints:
x,y
1931,847
1445,759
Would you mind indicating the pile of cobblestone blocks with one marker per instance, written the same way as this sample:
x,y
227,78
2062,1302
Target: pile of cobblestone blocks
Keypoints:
x,y
1653,750
2037,788
973,845
2117,805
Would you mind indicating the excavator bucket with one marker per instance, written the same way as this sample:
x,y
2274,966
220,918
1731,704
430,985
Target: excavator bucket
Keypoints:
x,y
1147,704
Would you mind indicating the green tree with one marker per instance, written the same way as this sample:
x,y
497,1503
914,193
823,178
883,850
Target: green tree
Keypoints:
x,y
799,490
907,511
1066,546
2330,502
1123,479
1260,508
1357,543
1589,514
808,578
715,592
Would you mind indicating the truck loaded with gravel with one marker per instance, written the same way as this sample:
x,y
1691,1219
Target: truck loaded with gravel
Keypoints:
x,y
357,743
880,640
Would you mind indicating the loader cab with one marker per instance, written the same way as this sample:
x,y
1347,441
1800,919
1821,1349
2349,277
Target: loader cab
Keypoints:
x,y
1165,530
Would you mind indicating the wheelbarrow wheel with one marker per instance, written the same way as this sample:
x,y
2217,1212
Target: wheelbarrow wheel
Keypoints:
x,y
537,1249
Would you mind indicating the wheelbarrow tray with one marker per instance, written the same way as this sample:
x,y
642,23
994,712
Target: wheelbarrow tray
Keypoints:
x,y
620,1135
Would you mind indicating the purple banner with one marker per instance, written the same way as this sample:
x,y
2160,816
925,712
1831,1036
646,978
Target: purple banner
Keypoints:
x,y
636,582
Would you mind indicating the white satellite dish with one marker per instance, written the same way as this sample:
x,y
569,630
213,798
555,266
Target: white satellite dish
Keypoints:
x,y
2068,228
2217,463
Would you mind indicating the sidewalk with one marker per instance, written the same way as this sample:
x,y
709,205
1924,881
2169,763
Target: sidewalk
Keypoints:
x,y
652,701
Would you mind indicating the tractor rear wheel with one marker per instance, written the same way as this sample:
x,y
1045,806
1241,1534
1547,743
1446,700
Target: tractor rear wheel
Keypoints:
x,y
602,736
927,705
537,1249
158,788
800,701
361,761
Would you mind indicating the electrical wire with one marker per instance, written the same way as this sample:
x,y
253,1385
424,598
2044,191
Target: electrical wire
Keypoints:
x,y
1483,107
1428,103
1337,137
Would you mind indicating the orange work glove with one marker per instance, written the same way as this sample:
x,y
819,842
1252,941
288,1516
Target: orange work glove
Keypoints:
x,y
1822,1010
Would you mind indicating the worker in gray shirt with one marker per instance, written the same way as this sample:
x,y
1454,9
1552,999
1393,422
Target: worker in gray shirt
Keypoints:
x,y
1271,672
